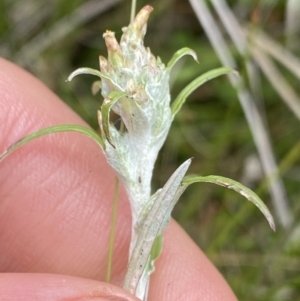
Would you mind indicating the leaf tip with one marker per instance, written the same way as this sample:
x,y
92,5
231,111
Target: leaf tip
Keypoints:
x,y
70,77
235,72
272,224
195,57
192,53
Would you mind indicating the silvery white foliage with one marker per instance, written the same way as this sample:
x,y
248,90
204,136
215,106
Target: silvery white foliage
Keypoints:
x,y
135,86
144,109
151,227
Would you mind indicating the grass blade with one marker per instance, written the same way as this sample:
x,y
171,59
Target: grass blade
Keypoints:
x,y
60,29
283,88
257,127
292,24
277,51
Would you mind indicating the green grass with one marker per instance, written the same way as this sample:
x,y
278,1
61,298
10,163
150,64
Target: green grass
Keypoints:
x,y
258,264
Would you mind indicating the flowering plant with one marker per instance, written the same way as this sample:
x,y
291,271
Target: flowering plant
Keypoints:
x,y
135,86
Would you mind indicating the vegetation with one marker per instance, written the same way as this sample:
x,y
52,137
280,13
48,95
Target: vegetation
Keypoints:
x,y
258,264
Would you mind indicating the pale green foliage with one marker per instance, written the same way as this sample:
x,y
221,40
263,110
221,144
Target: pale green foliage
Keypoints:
x,y
236,186
197,82
135,86
151,227
51,130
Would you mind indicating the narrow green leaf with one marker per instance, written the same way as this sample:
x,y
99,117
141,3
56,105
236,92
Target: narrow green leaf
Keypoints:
x,y
108,103
239,188
91,71
196,83
156,249
112,231
179,54
85,70
54,129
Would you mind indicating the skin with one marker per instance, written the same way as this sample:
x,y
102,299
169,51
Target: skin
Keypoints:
x,y
55,209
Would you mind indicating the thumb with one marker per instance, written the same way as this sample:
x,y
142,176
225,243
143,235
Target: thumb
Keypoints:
x,y
51,287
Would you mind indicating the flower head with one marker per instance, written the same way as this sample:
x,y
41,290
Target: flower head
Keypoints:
x,y
143,103
135,86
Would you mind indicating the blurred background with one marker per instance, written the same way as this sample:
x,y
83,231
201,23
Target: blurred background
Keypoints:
x,y
245,128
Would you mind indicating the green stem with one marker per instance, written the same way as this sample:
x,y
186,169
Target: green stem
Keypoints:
x,y
133,9
112,230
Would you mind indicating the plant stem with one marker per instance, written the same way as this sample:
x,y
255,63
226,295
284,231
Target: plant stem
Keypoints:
x,y
112,230
133,9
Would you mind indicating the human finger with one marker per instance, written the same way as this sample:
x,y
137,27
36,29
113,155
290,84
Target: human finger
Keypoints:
x,y
56,203
51,287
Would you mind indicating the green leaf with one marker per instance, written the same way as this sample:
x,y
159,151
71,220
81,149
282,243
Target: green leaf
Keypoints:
x,y
112,232
85,70
179,54
156,250
196,83
54,129
91,71
236,186
108,103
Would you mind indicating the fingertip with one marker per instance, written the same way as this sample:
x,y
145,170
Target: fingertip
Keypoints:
x,y
185,273
56,190
48,287
27,104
